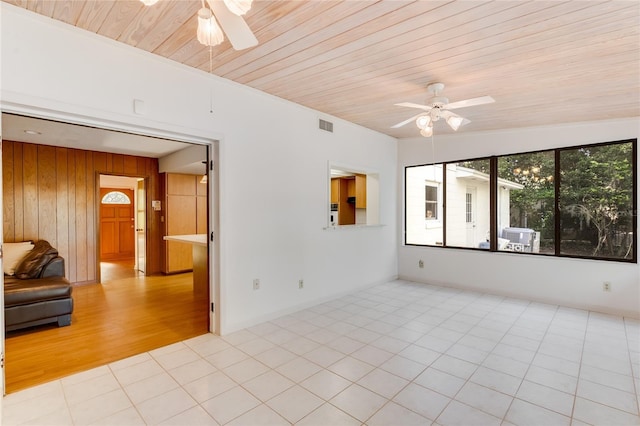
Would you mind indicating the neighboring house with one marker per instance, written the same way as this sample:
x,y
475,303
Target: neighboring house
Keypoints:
x,y
468,218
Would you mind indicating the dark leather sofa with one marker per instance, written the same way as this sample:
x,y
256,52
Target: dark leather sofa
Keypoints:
x,y
38,293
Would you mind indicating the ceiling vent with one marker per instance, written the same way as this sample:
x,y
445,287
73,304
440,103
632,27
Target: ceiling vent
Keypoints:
x,y
326,125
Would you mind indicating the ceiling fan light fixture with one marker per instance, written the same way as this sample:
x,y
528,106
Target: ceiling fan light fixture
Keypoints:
x,y
238,7
423,121
209,32
149,2
455,122
427,131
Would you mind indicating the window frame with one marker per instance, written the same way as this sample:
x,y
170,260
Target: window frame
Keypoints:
x,y
493,182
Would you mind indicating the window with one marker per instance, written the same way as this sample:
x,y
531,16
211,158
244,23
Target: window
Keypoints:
x,y
424,205
115,197
467,203
526,203
597,201
577,202
431,202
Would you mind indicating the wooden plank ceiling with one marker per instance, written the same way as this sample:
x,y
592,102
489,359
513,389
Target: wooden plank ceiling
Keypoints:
x,y
544,62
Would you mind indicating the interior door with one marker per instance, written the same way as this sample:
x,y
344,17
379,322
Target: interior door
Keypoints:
x,y
470,216
117,231
141,221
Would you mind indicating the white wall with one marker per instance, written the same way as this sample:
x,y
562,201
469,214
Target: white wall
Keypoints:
x,y
273,160
568,282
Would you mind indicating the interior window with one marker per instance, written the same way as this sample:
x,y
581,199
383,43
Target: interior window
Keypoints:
x,y
354,197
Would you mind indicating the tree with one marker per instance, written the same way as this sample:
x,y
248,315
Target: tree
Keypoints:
x,y
596,198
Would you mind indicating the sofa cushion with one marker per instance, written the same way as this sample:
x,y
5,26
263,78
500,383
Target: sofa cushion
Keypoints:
x,y
17,292
12,255
32,264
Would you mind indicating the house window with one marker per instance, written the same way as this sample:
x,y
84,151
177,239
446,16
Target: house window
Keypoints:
x,y
116,197
571,202
431,202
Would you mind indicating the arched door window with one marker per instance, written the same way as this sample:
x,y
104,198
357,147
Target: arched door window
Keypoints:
x,y
116,197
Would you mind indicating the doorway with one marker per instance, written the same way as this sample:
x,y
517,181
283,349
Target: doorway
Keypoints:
x,y
77,244
121,227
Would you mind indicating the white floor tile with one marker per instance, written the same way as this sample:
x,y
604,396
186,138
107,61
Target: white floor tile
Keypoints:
x,y
484,399
546,397
136,372
524,413
245,370
255,346
90,388
455,366
383,383
150,387
325,384
359,402
423,401
275,357
298,369
607,396
496,380
195,416
21,409
300,345
194,370
268,385
394,414
177,358
260,416
165,406
351,368
226,357
371,355
403,367
458,414
323,356
346,345
327,414
129,417
440,381
552,379
99,407
230,404
593,413
209,386
295,403
506,365
618,381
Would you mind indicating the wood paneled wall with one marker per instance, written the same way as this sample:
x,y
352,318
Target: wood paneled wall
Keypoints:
x,y
51,193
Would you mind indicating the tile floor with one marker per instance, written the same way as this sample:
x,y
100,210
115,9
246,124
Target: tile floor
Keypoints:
x,y
397,354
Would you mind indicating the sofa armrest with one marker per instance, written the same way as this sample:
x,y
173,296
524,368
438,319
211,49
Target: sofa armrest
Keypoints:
x,y
55,268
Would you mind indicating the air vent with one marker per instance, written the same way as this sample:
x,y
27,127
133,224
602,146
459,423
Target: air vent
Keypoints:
x,y
326,125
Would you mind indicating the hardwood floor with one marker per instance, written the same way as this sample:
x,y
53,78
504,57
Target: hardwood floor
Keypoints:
x,y
124,316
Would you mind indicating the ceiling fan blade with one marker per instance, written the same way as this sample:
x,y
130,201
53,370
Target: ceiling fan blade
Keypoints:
x,y
470,102
408,120
412,105
234,26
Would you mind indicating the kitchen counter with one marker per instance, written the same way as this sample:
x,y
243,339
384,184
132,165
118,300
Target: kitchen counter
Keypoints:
x,y
200,260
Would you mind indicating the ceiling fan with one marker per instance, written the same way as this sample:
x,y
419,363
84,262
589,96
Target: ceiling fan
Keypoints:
x,y
229,14
438,107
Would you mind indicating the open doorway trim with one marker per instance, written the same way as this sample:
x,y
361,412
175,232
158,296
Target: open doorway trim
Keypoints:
x,y
119,126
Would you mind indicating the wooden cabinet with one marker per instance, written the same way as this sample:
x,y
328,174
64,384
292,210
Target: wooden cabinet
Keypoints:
x,y
361,191
344,191
186,214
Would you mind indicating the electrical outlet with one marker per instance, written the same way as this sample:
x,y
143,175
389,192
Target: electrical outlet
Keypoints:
x,y
420,263
256,284
300,284
606,286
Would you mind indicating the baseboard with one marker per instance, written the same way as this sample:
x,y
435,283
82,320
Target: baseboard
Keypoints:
x,y
549,301
228,329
